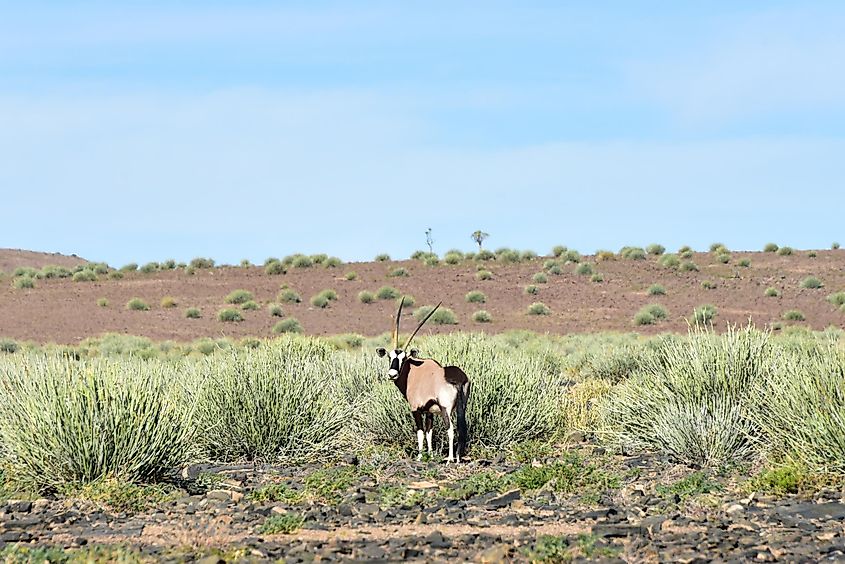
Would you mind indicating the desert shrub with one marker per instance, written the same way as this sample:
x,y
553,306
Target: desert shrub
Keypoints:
x,y
549,264
540,278
52,271
684,249
708,285
689,266
9,346
275,268
229,315
527,254
102,302
837,298
366,297
669,261
724,258
656,290
515,396
801,405
130,267
398,272
85,276
482,316
168,302
116,275
649,314
431,260
559,250
270,260
201,262
98,267
23,283
25,271
812,283
555,270
320,301
137,304
319,258
271,403
834,246
793,315
150,267
302,261
655,249
770,248
597,277
690,401
772,292
332,262
656,310
287,325
643,317
238,297
330,294
785,251
351,275
685,255
475,297
483,275
288,296
812,254
604,255
584,269
387,293
744,263
246,263
532,290
443,315
538,308
718,248
383,257
420,255
193,313
65,422
453,257
250,305
275,310
484,255
632,253
704,314
507,256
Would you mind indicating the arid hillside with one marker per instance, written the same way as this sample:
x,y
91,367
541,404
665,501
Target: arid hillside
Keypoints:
x,y
606,298
10,259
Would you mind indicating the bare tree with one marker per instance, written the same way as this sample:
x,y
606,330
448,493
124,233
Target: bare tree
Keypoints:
x,y
429,241
479,236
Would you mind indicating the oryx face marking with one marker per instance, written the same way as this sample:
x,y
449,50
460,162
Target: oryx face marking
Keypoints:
x,y
396,357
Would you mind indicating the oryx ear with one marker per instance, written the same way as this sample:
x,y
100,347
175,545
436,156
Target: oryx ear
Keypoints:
x,y
381,351
415,353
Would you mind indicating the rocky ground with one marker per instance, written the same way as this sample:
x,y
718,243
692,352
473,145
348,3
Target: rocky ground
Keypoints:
x,y
577,504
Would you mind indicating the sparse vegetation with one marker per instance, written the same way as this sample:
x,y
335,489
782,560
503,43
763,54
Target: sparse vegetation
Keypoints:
x,y
275,268
475,297
538,308
655,249
398,272
532,290
704,314
793,315
656,290
482,316
275,310
744,263
229,315
168,302
834,246
770,248
102,302
632,253
584,269
483,275
288,296
366,297
387,293
785,251
443,315
287,325
708,285
250,305
23,283
383,257
689,266
597,277
137,304
772,292
85,276
193,313
812,283
238,297
351,275
669,261
539,278
201,262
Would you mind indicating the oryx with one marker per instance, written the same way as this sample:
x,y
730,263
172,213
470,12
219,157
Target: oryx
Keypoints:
x,y
429,388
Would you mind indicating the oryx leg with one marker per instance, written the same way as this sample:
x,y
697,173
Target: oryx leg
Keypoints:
x,y
418,421
450,432
429,430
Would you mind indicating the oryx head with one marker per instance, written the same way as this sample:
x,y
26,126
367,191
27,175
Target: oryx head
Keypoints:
x,y
398,356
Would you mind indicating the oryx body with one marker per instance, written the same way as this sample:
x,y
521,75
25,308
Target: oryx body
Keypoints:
x,y
430,389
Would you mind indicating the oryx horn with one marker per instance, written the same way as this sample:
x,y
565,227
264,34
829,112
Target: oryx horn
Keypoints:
x,y
408,342
396,325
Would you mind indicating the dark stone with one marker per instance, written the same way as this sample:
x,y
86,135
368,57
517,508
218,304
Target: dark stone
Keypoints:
x,y
15,536
371,551
617,530
503,500
652,525
824,511
344,510
367,509
437,540
19,506
351,460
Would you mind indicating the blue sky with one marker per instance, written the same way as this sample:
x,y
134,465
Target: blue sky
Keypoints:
x,y
152,130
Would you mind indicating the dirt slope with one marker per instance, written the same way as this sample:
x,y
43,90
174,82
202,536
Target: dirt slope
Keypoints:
x,y
10,259
64,311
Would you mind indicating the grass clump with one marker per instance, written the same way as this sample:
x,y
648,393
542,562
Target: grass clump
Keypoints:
x,y
772,292
275,268
669,261
482,316
23,283
193,313
632,253
793,315
251,305
540,278
275,310
301,261
656,290
366,297
288,296
770,248
350,276
443,315
812,283
837,299
785,251
643,317
604,255
85,276
168,302
597,277
103,302
399,272
200,262
238,297
475,297
137,304
130,267
655,249
531,290
229,315
704,314
285,523
689,266
387,293
697,483
538,308
744,263
708,285
723,258
320,300
834,246
584,269
287,325
483,275
383,257
119,495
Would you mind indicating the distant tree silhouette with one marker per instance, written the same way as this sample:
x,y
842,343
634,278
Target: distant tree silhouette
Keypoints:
x,y
479,236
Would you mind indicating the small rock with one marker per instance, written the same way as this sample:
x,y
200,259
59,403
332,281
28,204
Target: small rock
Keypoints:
x,y
503,500
351,459
211,560
617,530
437,540
422,485
367,509
735,508
499,554
576,437
652,525
18,506
219,495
